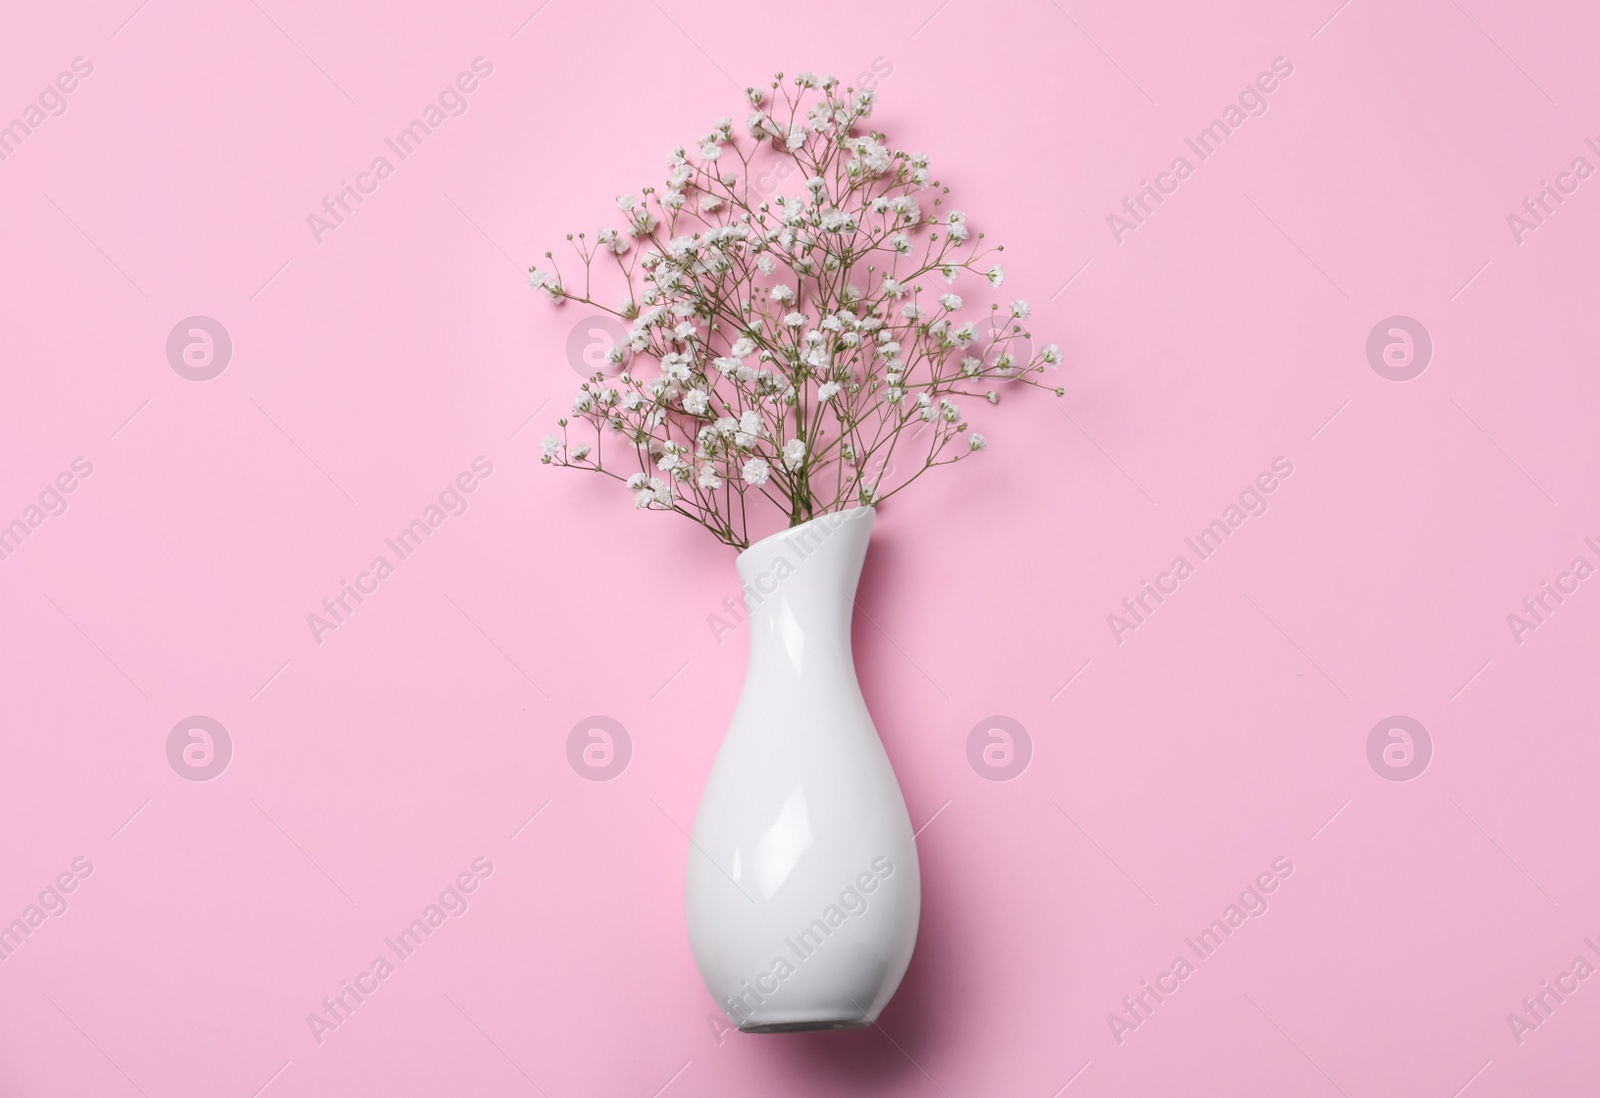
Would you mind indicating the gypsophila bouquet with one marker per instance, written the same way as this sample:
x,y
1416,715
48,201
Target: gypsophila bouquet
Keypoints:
x,y
786,347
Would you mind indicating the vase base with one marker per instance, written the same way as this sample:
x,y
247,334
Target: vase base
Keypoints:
x,y
812,1026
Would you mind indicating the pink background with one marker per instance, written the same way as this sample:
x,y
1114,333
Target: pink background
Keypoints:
x,y
1228,730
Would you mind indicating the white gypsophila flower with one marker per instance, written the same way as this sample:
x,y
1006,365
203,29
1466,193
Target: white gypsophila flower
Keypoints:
x,y
695,402
794,453
827,390
636,481
709,151
582,402
550,444
537,278
794,320
1051,354
976,441
837,221
675,366
893,288
741,347
1021,309
755,472
669,461
750,423
708,479
995,275
782,293
875,158
642,222
950,301
580,451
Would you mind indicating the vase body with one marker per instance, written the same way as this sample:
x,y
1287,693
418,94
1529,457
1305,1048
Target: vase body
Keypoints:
x,y
803,889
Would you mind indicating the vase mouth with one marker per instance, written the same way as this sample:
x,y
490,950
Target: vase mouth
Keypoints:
x,y
838,519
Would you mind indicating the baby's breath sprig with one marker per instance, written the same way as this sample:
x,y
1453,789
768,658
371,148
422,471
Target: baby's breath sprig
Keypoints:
x,y
804,349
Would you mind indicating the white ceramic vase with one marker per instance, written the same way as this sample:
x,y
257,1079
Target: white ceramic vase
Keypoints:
x,y
803,889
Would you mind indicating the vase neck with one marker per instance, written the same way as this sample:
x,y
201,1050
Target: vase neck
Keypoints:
x,y
800,587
